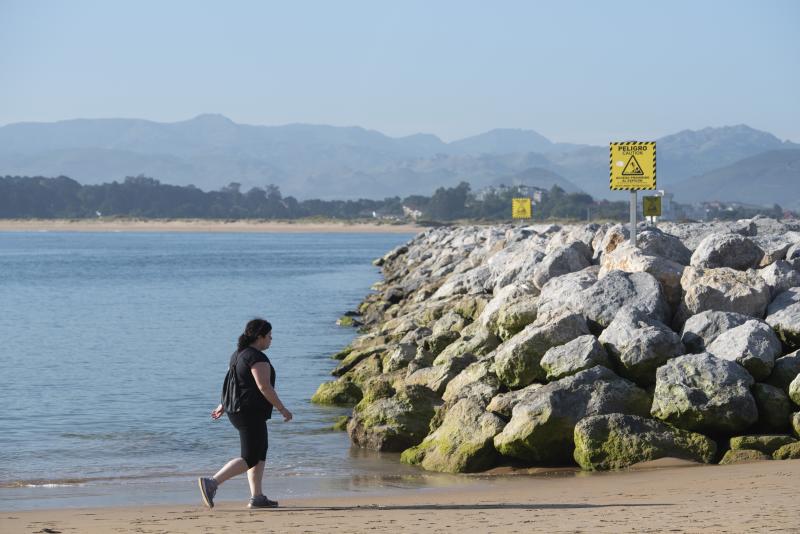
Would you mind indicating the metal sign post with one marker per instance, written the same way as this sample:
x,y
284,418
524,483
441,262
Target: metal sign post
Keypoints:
x,y
633,216
632,166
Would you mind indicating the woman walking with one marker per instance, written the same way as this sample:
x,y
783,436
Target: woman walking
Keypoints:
x,y
255,380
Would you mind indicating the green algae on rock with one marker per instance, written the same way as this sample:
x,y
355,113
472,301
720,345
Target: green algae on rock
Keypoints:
x,y
615,441
341,392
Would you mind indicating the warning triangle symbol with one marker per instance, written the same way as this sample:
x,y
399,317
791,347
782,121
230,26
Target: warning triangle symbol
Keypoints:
x,y
632,168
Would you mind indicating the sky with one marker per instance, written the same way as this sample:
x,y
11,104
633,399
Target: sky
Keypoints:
x,y
574,71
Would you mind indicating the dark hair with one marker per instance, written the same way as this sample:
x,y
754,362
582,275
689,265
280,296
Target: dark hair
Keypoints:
x,y
254,329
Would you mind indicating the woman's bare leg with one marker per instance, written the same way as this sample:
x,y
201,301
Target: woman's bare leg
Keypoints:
x,y
254,476
237,466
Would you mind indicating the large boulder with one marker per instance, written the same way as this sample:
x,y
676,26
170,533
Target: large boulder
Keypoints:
x,y
723,289
631,259
727,250
563,294
774,408
783,315
611,239
396,423
503,298
340,392
541,427
654,242
788,452
796,424
794,390
614,441
701,329
785,370
753,345
462,443
581,353
601,302
563,260
438,376
475,339
780,276
639,345
703,393
517,315
476,380
764,443
740,456
793,256
400,356
503,403
517,361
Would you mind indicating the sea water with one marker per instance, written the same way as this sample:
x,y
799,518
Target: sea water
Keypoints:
x,y
113,347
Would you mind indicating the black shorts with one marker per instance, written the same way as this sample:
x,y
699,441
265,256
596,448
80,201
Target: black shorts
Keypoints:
x,y
252,427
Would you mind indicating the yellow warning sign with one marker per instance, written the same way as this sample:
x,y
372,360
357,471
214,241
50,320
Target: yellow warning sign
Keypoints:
x,y
521,208
633,165
651,206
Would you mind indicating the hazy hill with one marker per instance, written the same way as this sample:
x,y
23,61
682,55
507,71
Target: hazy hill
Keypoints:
x,y
307,160
767,178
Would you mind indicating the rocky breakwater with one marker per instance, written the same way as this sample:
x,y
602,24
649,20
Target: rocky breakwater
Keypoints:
x,y
550,345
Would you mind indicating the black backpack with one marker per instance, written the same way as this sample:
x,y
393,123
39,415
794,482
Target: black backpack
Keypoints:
x,y
231,393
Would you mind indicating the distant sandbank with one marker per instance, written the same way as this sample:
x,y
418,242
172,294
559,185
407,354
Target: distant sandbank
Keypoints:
x,y
755,497
199,225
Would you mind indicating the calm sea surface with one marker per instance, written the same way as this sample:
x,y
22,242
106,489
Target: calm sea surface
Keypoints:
x,y
113,347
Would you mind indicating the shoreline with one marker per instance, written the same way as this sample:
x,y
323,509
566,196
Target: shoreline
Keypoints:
x,y
658,496
201,225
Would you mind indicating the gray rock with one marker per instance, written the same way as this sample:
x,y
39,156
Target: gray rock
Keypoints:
x,y
639,345
723,289
786,368
631,259
780,276
542,426
462,443
740,456
581,353
727,250
654,242
774,408
766,444
400,356
475,339
615,441
753,345
793,256
513,318
794,390
437,377
503,403
612,238
481,374
517,361
563,294
783,315
601,302
701,329
795,421
394,424
568,259
703,393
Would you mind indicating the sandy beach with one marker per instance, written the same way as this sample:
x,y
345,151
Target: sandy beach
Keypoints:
x,y
662,496
198,225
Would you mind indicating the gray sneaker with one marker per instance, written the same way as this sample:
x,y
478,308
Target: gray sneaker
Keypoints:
x,y
208,488
262,502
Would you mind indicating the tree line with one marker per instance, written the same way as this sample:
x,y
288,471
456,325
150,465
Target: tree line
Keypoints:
x,y
144,197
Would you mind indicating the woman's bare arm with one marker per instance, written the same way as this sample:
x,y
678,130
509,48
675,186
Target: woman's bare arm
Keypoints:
x,y
261,372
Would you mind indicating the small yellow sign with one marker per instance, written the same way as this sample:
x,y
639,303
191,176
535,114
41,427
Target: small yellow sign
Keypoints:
x,y
521,208
651,206
633,165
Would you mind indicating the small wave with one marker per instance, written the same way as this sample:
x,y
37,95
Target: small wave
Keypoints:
x,y
66,482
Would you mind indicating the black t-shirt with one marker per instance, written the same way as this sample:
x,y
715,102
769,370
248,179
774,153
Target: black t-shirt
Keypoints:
x,y
251,398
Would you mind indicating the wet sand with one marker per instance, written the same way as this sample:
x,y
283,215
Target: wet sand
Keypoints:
x,y
664,496
199,225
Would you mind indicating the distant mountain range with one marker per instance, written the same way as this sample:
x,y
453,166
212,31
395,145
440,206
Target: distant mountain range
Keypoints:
x,y
315,161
